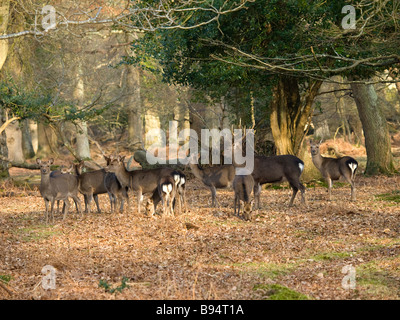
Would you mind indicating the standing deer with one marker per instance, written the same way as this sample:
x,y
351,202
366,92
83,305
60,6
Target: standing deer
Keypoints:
x,y
116,192
140,181
167,189
278,169
91,184
334,168
213,177
58,187
180,196
63,170
243,187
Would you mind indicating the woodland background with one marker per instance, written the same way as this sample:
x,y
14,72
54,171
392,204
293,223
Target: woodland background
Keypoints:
x,y
113,70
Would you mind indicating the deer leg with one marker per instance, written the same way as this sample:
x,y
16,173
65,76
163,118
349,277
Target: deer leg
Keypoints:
x,y
179,200
46,204
295,190
353,190
66,202
96,200
51,211
86,203
296,186
139,199
89,198
125,194
214,201
257,192
184,200
111,197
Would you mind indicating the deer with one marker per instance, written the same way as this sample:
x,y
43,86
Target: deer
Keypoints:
x,y
63,170
180,183
276,169
166,188
213,177
243,186
116,192
334,168
91,184
140,181
58,187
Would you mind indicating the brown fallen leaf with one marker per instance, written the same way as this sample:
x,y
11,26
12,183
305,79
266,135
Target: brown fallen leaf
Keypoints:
x,y
191,226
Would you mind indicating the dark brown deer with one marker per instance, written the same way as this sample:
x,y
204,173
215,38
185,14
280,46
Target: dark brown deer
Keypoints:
x,y
140,181
116,192
58,187
243,187
91,184
278,169
63,170
180,196
213,177
167,189
334,168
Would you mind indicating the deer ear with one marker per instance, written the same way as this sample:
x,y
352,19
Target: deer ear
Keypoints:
x,y
51,161
320,141
122,158
38,161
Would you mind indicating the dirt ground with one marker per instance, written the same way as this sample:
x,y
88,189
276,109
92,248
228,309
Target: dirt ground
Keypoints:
x,y
206,253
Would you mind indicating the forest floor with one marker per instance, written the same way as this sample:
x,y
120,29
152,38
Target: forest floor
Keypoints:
x,y
312,251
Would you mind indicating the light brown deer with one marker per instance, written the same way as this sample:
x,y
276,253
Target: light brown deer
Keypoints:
x,y
334,168
58,187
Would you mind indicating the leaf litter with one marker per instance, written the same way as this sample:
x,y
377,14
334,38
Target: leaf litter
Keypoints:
x,y
207,253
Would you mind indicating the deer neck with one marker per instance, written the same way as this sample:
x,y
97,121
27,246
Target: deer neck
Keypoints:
x,y
44,181
123,176
198,173
317,160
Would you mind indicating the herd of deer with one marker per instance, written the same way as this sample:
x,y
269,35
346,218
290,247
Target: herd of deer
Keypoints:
x,y
168,185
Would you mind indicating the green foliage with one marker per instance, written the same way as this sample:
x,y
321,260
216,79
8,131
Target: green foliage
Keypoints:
x,y
393,196
109,289
279,292
21,103
5,278
274,31
38,105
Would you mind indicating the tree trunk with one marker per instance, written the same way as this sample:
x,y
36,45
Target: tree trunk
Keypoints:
x,y
133,100
27,146
47,140
14,142
376,131
290,114
4,14
134,107
82,141
3,150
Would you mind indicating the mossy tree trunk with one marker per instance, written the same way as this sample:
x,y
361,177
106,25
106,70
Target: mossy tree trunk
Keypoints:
x,y
290,113
376,131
